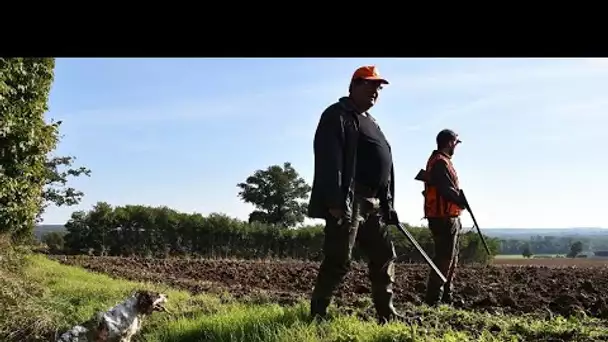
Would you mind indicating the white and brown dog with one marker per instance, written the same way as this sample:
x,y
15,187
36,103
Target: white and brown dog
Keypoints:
x,y
120,323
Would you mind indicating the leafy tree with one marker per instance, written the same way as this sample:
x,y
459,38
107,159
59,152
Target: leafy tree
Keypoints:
x,y
56,192
526,252
575,249
77,238
25,141
100,222
278,193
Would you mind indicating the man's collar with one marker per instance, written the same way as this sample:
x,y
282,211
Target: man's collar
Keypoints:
x,y
348,104
442,153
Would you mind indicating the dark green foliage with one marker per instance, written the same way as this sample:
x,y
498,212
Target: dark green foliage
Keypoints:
x,y
161,232
526,252
30,179
575,249
54,241
56,191
25,141
278,193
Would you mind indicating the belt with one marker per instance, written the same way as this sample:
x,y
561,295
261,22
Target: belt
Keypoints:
x,y
365,190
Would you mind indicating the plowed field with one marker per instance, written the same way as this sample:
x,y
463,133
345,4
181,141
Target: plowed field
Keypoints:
x,y
510,289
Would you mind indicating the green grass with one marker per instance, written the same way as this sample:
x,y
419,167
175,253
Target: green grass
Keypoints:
x,y
72,295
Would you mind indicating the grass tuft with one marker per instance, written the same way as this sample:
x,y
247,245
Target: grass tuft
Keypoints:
x,y
23,316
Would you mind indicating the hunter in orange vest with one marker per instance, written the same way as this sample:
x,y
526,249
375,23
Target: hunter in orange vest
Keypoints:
x,y
442,195
443,205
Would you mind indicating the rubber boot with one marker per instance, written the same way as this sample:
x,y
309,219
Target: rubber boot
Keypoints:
x,y
446,293
434,295
446,297
386,311
318,307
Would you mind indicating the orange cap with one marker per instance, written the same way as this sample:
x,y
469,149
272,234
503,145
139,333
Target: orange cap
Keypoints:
x,y
368,72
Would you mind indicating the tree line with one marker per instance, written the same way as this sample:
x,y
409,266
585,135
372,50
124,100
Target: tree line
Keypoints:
x,y
552,245
135,230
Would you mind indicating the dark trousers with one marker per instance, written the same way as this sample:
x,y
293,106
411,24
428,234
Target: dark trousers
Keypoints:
x,y
367,230
445,234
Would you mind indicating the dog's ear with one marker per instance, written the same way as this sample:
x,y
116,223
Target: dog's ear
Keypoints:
x,y
150,301
145,301
141,294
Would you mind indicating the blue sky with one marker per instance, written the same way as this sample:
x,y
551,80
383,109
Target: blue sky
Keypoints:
x,y
184,132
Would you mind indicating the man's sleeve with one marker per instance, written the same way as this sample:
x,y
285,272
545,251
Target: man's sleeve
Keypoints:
x,y
440,177
328,148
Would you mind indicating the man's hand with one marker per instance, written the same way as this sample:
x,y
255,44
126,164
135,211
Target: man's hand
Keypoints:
x,y
462,200
337,213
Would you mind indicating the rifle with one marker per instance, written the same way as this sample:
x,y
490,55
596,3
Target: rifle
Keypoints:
x,y
428,260
423,177
468,207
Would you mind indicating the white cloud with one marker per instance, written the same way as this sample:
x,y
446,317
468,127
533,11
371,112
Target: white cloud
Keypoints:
x,y
559,88
238,104
596,108
480,105
520,90
601,63
486,76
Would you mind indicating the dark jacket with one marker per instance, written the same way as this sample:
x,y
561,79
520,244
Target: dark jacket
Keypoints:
x,y
335,151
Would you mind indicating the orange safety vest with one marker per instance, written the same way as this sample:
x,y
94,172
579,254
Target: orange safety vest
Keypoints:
x,y
435,205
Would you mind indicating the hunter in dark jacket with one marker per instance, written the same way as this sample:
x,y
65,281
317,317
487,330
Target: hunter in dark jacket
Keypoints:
x,y
353,191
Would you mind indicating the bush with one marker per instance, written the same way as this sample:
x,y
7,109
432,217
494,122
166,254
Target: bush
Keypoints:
x,y
161,231
25,141
54,242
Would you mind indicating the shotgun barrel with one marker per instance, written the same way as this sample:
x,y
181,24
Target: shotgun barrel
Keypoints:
x,y
428,260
